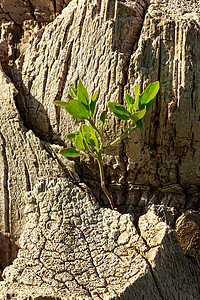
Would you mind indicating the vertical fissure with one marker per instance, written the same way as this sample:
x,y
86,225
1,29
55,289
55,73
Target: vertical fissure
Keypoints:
x,y
32,10
5,185
127,60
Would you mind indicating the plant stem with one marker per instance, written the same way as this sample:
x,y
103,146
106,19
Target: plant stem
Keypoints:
x,y
124,135
102,176
97,130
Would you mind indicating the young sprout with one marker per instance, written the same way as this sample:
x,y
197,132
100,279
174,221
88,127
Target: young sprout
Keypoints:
x,y
89,140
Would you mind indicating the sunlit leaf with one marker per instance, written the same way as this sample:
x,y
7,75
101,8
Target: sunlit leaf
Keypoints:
x,y
82,93
71,137
86,128
69,152
86,146
60,103
93,102
73,92
78,133
94,141
122,109
137,93
129,100
79,142
89,134
94,97
120,114
138,115
149,93
77,109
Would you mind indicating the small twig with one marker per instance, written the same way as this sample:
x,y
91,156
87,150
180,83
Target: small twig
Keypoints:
x,y
123,136
103,186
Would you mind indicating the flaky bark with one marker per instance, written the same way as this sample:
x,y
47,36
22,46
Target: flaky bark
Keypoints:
x,y
111,46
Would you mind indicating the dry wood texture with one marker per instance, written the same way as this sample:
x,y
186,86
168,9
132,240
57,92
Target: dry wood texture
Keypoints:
x,y
69,246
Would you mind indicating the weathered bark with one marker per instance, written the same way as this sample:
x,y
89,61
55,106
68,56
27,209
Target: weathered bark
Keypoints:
x,y
111,46
18,11
81,251
25,160
98,44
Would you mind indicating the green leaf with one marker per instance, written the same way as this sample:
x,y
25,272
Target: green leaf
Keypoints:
x,y
82,93
78,133
123,110
149,93
94,97
87,136
86,146
120,114
77,109
71,137
60,103
138,115
102,118
90,135
79,142
137,98
137,90
129,100
93,141
139,124
69,152
93,102
87,132
87,129
149,105
73,92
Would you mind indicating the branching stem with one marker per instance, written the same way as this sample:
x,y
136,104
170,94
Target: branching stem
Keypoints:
x,y
124,135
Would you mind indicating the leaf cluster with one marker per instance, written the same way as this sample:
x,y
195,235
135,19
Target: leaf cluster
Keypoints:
x,y
89,140
136,108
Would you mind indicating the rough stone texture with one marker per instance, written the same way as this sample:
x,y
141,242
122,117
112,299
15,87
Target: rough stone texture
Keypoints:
x,y
38,10
19,20
168,51
87,40
81,251
24,160
17,291
111,46
168,148
188,229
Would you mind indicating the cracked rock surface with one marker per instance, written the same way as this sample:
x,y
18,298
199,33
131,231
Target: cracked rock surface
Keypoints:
x,y
38,10
77,250
111,46
24,161
69,246
92,40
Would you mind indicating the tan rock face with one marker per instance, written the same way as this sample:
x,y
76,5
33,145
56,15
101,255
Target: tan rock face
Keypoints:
x,y
78,250
40,11
20,19
188,229
24,160
70,245
111,48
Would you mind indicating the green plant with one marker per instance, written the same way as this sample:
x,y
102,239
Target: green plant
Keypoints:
x,y
89,140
